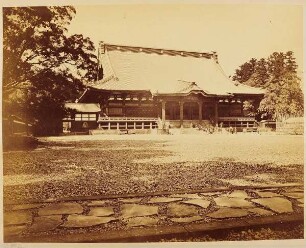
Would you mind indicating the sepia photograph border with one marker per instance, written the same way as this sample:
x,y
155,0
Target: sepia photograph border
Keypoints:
x,y
240,244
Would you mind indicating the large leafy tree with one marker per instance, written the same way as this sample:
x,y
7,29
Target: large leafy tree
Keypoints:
x,y
277,74
43,66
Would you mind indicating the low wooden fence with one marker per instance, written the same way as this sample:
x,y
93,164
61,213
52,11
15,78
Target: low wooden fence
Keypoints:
x,y
291,126
17,135
12,126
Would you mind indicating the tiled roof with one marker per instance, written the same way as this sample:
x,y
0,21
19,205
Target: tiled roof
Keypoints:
x,y
164,71
84,107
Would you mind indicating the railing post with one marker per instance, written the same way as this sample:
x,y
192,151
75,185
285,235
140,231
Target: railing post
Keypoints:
x,y
200,110
163,111
216,111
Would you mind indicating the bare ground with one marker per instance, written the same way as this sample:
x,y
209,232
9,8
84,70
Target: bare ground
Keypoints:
x,y
100,165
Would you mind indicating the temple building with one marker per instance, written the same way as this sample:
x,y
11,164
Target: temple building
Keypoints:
x,y
146,88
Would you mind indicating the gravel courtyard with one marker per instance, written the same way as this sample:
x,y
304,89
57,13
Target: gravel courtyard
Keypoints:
x,y
119,164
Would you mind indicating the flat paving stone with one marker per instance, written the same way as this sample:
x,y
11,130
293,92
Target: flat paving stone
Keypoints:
x,y
198,202
97,203
17,217
277,204
61,208
142,221
260,211
191,196
131,200
267,194
163,199
76,220
239,194
294,195
181,210
223,213
45,223
101,211
186,219
25,206
224,201
211,193
14,230
137,210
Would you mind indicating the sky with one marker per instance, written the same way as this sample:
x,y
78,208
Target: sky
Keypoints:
x,y
237,32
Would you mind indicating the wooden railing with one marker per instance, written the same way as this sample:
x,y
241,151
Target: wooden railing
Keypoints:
x,y
125,123
126,119
236,118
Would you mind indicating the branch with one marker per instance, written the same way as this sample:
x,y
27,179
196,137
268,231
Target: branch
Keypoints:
x,y
66,61
11,85
30,57
40,62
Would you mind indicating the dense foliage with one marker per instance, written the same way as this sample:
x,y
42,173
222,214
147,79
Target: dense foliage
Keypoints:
x,y
278,76
42,65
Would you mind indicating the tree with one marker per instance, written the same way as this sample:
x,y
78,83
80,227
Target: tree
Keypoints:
x,y
290,63
42,66
284,98
245,71
278,76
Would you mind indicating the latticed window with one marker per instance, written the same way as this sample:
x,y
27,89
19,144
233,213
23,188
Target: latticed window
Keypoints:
x,y
85,117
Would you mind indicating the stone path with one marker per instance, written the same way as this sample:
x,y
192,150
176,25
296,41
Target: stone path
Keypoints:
x,y
24,220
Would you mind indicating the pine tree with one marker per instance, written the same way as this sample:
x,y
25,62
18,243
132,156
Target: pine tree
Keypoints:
x,y
278,76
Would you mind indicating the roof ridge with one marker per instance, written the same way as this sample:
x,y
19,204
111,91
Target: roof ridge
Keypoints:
x,y
160,51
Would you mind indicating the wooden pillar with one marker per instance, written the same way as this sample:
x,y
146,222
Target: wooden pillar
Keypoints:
x,y
126,125
216,111
200,111
150,125
181,113
163,111
109,125
229,107
155,106
117,125
123,106
142,125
